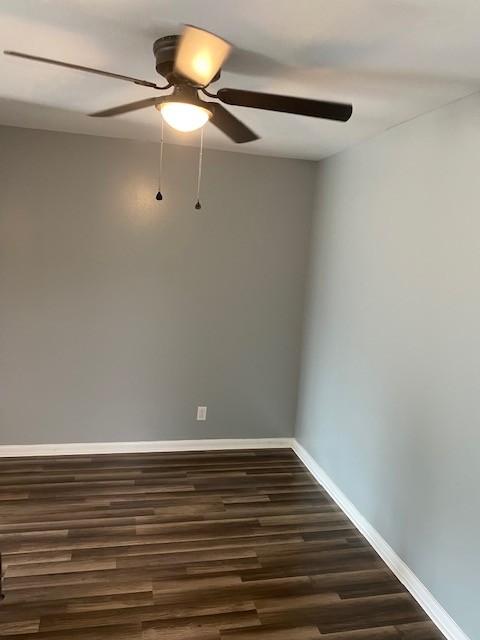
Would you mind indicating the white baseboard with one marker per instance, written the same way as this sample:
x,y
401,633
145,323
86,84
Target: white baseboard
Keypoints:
x,y
419,591
23,450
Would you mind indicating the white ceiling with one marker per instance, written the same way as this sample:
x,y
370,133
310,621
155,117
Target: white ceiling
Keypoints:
x,y
393,59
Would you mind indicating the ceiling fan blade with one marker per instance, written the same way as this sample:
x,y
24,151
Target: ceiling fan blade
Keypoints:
x,y
77,67
286,104
200,54
230,125
126,108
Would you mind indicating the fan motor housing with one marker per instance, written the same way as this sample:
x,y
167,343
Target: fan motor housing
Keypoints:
x,y
164,50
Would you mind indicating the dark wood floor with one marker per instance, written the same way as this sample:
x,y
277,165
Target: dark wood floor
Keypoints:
x,y
204,546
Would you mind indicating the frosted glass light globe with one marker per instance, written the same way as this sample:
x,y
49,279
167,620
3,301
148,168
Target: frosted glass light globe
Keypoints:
x,y
183,116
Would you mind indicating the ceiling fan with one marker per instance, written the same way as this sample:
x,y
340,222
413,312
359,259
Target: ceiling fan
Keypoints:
x,y
190,63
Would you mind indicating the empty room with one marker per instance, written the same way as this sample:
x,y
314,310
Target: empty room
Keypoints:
x,y
239,319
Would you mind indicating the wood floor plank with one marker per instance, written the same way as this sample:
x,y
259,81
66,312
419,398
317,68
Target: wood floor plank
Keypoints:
x,y
224,545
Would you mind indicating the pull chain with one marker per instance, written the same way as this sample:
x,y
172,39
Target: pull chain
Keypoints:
x,y
199,177
159,195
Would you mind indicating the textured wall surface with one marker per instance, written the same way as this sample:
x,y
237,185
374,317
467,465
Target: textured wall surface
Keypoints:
x,y
119,315
391,372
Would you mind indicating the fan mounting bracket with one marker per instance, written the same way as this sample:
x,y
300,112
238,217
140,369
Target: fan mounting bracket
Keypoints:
x,y
164,50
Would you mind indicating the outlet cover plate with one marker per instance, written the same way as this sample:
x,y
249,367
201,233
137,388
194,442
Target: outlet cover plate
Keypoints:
x,y
201,413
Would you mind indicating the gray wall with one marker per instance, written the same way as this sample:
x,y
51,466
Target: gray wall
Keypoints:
x,y
119,315
390,390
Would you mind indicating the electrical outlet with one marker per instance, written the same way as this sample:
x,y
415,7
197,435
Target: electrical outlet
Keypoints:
x,y
201,413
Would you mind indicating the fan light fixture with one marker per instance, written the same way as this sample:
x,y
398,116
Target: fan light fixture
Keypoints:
x,y
190,63
183,116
